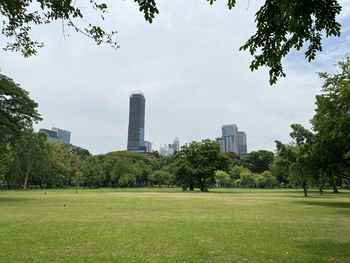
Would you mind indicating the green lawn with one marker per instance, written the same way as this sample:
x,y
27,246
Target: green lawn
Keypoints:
x,y
168,225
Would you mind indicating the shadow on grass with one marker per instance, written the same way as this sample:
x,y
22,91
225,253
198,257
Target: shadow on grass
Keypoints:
x,y
328,248
14,199
325,204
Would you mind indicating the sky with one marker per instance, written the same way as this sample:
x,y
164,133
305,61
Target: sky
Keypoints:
x,y
188,65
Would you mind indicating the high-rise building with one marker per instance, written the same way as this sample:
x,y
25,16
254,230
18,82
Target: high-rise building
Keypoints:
x,y
57,135
232,140
242,143
169,149
176,144
63,135
136,130
229,140
148,146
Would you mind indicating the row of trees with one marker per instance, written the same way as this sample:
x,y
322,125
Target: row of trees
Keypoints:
x,y
32,161
321,157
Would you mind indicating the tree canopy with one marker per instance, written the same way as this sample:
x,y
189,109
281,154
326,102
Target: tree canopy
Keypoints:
x,y
332,121
282,25
198,162
322,156
17,111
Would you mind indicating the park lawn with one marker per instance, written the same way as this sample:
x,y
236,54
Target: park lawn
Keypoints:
x,y
168,225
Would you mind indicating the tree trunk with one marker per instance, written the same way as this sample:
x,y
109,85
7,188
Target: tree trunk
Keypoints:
x,y
8,183
321,190
191,187
335,189
26,179
305,190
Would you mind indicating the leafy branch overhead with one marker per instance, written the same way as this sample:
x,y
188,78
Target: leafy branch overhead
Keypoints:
x,y
282,25
18,19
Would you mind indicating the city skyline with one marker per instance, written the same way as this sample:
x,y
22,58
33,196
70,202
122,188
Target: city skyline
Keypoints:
x,y
187,62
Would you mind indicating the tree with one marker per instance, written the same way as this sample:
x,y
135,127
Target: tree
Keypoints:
x,y
299,162
77,179
280,170
185,172
28,154
234,158
197,163
92,172
282,25
269,179
17,111
160,177
248,180
236,171
332,122
259,161
127,180
222,178
6,158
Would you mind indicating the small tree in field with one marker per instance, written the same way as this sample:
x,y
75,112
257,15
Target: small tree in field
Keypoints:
x,y
222,178
77,179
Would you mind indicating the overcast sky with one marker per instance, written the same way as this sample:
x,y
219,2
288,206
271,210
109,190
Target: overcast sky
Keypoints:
x,y
189,67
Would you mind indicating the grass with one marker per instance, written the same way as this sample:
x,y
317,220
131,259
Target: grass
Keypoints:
x,y
168,225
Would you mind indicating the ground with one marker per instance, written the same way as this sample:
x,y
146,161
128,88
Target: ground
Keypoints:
x,y
168,225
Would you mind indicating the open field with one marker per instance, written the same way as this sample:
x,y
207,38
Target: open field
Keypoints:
x,y
167,225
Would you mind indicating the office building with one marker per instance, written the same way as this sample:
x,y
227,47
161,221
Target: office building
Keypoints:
x,y
136,129
176,144
229,140
148,146
242,143
169,149
63,135
232,140
57,135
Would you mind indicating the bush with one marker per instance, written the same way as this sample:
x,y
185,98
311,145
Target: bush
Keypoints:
x,y
160,177
248,180
270,180
235,172
222,179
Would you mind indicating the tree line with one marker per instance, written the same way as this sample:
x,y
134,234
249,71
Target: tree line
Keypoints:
x,y
34,162
315,158
321,156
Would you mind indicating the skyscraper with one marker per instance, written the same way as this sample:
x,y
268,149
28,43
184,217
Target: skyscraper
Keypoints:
x,y
242,143
229,141
176,144
232,140
136,130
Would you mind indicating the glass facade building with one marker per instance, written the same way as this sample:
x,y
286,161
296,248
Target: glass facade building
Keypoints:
x,y
229,140
242,143
136,134
57,135
232,140
63,135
